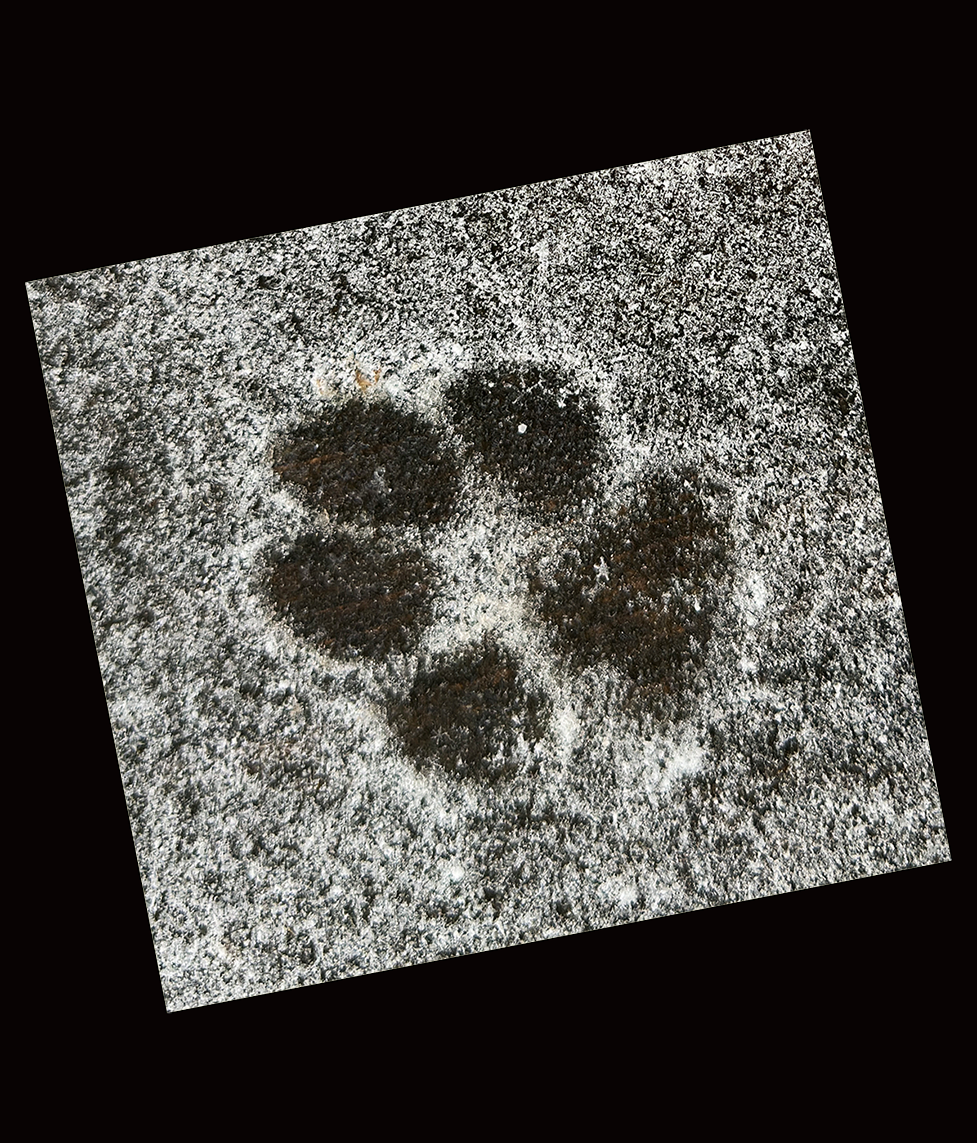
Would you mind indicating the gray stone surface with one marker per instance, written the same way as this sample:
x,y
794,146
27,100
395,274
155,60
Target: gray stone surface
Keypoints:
x,y
284,833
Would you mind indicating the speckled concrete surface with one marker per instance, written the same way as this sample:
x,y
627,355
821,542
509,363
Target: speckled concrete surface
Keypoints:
x,y
285,832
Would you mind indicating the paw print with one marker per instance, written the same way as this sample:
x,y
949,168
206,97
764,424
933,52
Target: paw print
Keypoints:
x,y
637,592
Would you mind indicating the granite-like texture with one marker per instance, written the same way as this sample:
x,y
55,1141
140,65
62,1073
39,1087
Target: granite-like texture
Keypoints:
x,y
314,790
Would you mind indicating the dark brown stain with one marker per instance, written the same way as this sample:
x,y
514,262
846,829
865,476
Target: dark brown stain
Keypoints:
x,y
371,463
551,464
464,709
628,597
350,597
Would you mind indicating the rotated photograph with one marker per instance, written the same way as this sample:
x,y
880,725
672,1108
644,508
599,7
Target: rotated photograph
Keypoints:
x,y
488,571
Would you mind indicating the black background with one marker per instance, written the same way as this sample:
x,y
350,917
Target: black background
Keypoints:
x,y
859,952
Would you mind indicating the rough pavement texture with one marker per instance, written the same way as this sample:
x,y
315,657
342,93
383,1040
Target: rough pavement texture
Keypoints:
x,y
488,571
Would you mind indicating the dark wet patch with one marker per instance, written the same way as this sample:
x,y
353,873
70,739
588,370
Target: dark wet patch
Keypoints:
x,y
640,595
350,597
371,463
550,464
465,712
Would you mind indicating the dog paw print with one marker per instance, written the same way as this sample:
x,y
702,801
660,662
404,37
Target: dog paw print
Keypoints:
x,y
637,593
